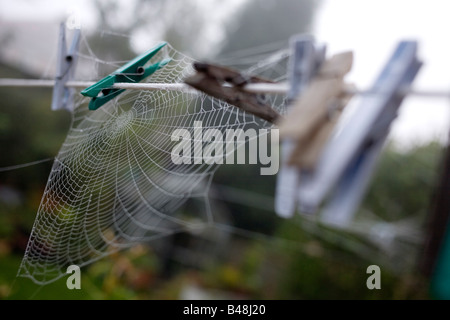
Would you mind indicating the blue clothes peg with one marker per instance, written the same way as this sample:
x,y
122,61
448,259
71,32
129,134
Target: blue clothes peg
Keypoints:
x,y
349,160
67,59
132,72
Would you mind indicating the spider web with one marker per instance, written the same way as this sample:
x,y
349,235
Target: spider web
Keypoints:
x,y
113,183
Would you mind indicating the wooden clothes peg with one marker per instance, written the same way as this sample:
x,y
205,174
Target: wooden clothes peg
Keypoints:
x,y
315,113
307,154
226,84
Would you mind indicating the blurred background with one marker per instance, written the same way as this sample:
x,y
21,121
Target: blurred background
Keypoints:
x,y
262,256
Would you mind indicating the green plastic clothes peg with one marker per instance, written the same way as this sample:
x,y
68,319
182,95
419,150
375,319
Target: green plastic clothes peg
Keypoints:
x,y
134,71
440,280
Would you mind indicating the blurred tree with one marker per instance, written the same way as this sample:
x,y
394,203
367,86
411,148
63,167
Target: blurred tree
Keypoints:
x,y
269,21
204,29
185,24
5,38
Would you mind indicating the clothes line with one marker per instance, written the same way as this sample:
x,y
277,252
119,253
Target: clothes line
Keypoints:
x,y
38,83
276,88
259,88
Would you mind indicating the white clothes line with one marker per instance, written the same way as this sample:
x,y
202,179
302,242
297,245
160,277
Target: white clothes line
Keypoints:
x,y
276,88
267,88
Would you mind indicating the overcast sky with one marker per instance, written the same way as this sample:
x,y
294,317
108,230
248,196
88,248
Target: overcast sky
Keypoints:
x,y
370,28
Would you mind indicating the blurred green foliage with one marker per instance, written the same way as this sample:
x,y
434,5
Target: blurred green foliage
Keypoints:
x,y
29,131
